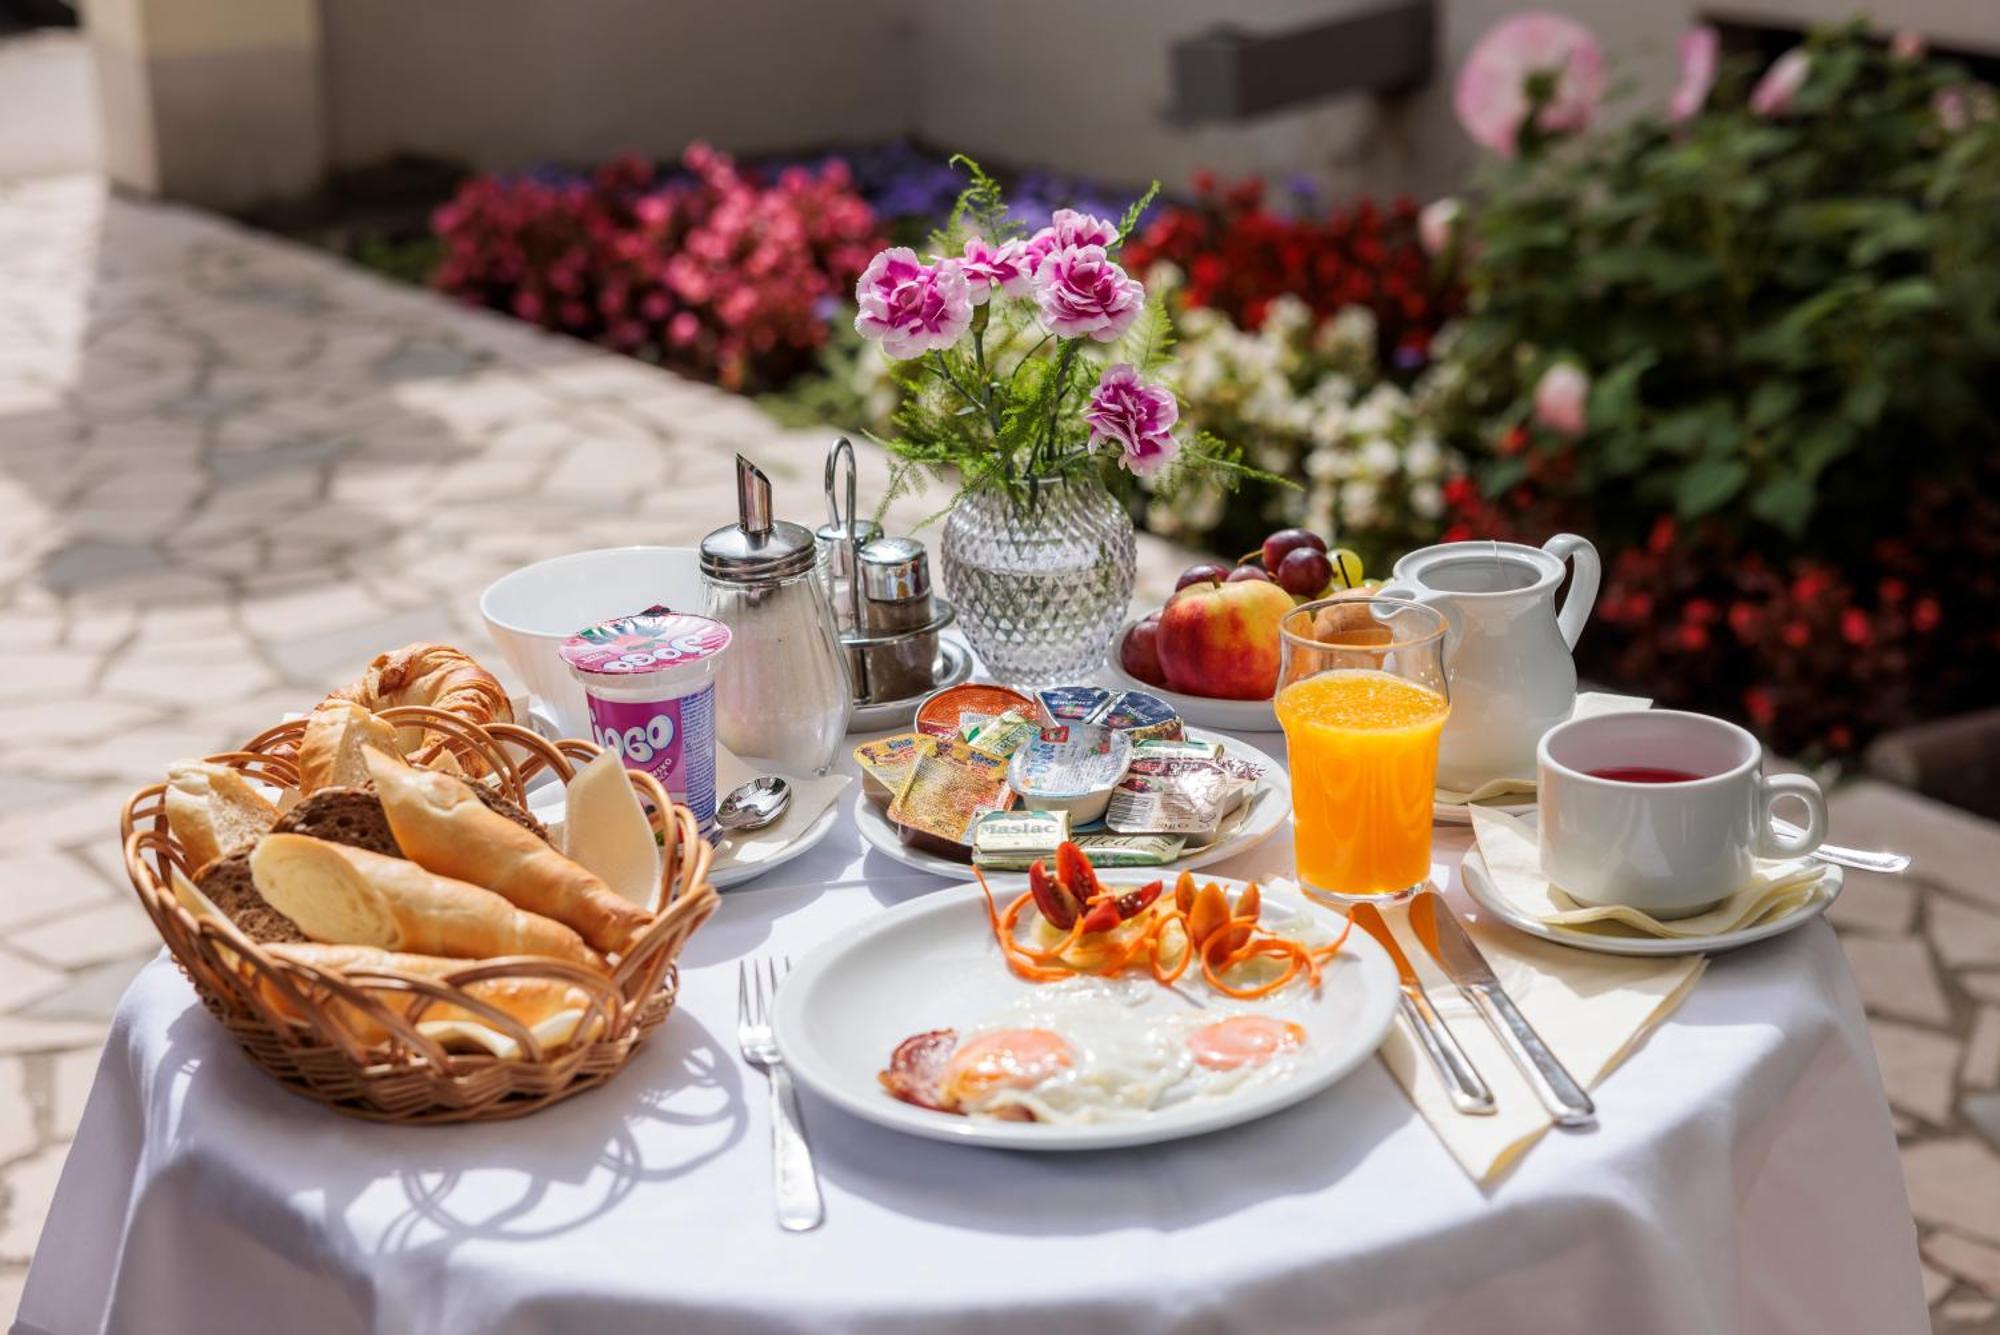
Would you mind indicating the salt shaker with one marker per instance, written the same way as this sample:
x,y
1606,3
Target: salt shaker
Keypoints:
x,y
896,610
782,694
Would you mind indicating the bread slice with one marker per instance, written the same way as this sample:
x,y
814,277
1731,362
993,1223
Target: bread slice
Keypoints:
x,y
212,810
228,883
354,816
330,750
441,824
349,896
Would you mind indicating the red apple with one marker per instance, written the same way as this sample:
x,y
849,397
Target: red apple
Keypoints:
x,y
1202,572
1222,640
1248,574
1139,655
1287,540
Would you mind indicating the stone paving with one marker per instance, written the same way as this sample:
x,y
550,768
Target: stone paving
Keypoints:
x,y
231,470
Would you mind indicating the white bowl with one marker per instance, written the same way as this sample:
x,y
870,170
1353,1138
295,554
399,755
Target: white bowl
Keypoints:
x,y
1204,711
531,611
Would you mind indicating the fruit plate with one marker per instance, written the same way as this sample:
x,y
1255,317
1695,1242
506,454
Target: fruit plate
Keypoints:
x,y
931,962
1202,711
1270,803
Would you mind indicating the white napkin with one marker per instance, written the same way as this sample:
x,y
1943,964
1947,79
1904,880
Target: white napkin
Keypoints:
x,y
812,794
1591,1009
1588,705
1513,857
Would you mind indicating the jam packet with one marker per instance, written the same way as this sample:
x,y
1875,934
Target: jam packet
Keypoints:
x,y
948,789
1170,795
1015,840
1141,717
886,762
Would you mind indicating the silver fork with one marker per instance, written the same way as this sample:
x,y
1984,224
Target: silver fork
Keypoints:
x,y
799,1206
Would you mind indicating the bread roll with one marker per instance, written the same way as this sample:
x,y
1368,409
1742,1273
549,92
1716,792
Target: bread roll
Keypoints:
x,y
330,751
212,810
442,825
349,896
550,1010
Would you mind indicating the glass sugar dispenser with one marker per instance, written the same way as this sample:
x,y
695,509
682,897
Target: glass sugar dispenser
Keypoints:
x,y
888,614
782,695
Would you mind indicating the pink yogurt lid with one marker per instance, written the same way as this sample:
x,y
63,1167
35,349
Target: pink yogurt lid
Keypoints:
x,y
655,640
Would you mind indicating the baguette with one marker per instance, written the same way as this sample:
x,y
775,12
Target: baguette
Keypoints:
x,y
349,896
330,751
212,810
441,825
548,1009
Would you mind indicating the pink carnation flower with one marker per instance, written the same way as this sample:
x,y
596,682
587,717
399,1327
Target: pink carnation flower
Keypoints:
x,y
987,265
1781,83
1562,397
1492,95
1136,417
1700,47
1084,293
909,307
1069,228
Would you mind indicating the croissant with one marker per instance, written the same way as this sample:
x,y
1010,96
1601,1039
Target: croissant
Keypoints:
x,y
436,675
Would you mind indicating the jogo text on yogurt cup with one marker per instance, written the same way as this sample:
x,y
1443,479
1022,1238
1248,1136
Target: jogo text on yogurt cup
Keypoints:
x,y
649,679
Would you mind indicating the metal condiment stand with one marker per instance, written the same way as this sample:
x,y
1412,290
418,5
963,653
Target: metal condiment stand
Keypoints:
x,y
877,632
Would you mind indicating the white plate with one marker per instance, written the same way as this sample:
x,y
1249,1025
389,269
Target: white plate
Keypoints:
x,y
1271,802
549,811
932,963
1460,813
1479,884
1204,711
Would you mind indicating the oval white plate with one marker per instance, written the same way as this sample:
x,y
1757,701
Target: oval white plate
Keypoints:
x,y
932,963
1271,803
1204,711
1479,884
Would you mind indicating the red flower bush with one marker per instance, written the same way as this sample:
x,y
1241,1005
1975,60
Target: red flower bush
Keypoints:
x,y
1814,652
710,272
1238,254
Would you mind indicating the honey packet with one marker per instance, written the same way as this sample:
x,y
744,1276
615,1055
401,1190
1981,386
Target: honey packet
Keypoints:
x,y
886,762
946,792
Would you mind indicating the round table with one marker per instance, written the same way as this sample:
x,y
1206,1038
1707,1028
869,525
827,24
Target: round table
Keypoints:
x,y
1743,1177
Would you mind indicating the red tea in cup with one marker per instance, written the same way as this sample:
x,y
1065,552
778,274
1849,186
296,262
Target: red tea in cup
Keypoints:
x,y
1641,774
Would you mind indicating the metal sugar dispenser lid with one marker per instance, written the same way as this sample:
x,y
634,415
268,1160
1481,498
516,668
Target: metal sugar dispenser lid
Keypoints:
x,y
757,549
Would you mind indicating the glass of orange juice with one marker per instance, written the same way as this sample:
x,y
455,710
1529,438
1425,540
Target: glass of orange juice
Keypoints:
x,y
1362,698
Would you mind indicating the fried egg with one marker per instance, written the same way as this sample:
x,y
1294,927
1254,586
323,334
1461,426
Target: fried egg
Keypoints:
x,y
1090,1051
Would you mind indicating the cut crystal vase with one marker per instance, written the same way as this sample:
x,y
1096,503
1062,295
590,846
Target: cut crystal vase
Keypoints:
x,y
1041,580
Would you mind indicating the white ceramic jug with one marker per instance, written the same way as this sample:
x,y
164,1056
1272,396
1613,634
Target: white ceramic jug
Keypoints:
x,y
1507,649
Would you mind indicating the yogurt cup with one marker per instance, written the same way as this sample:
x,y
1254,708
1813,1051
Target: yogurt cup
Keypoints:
x,y
649,682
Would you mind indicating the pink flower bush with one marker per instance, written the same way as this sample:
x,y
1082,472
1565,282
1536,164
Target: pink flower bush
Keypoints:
x,y
1781,83
1083,293
1068,228
1561,399
1004,266
910,307
1136,417
1700,48
1493,99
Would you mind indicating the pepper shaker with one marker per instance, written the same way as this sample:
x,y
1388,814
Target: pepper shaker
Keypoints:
x,y
783,693
898,615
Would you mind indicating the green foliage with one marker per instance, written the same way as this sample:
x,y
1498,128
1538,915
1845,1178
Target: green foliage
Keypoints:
x,y
1785,320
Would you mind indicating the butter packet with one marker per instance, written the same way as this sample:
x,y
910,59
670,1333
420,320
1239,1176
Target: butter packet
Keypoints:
x,y
1186,748
1014,840
1171,795
886,762
1130,850
1004,734
948,789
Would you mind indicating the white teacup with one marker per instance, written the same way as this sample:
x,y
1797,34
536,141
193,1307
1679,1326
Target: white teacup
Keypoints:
x,y
1668,847
531,611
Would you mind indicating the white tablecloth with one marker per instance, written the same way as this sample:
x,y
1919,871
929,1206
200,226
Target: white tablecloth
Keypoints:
x,y
1743,1178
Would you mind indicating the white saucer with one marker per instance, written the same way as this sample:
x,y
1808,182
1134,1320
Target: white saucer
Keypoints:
x,y
1271,803
1479,884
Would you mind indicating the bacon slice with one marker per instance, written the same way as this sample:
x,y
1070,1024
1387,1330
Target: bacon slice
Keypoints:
x,y
917,1067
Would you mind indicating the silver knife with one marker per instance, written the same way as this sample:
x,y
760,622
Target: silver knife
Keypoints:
x,y
1462,1081
1446,938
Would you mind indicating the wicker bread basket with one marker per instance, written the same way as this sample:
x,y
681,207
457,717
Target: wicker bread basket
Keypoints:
x,y
312,1047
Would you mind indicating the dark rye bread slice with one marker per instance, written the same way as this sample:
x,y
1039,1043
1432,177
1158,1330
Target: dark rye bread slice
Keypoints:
x,y
228,883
